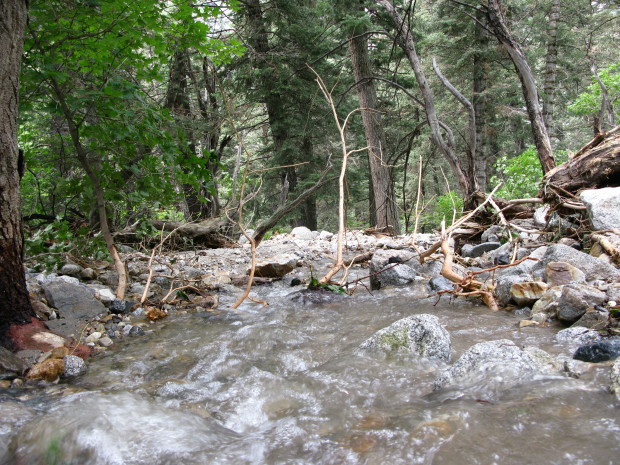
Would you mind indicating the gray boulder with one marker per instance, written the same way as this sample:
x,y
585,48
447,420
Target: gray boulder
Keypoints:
x,y
420,334
603,207
576,299
304,234
71,269
74,366
439,283
392,268
577,335
593,268
276,267
475,251
489,367
75,301
503,285
492,234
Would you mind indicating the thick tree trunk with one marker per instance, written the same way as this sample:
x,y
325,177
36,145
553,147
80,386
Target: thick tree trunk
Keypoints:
x,y
15,306
596,165
528,83
551,65
385,208
405,40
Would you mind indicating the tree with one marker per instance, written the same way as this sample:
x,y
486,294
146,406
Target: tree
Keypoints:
x,y
15,306
497,22
385,211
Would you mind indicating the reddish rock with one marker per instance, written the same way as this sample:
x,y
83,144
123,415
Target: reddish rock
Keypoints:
x,y
35,335
154,314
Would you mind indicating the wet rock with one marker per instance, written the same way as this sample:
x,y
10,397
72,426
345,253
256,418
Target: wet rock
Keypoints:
x,y
593,319
74,366
48,370
488,367
593,268
136,331
120,307
11,365
71,269
93,337
276,267
559,273
547,305
393,268
420,334
439,283
603,207
474,251
315,296
304,234
154,313
576,299
528,292
602,351
577,335
615,378
559,363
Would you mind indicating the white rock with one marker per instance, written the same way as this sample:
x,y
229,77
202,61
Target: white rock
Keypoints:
x,y
304,234
603,207
105,295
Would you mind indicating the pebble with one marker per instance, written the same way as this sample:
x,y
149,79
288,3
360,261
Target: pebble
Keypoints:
x,y
74,365
105,341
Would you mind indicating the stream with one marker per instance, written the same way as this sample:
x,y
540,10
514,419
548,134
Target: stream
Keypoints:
x,y
287,384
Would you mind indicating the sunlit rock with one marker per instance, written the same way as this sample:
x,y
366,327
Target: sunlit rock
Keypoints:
x,y
603,207
559,273
48,370
276,267
528,292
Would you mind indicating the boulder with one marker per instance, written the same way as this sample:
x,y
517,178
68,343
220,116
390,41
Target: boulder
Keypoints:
x,y
276,267
602,351
558,273
489,367
439,283
74,301
526,293
503,285
603,207
392,268
74,366
547,305
71,269
304,234
492,234
577,335
575,300
593,268
475,251
593,319
419,334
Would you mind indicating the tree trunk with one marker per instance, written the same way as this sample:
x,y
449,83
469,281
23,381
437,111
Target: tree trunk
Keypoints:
x,y
385,207
551,65
15,306
528,84
405,40
479,100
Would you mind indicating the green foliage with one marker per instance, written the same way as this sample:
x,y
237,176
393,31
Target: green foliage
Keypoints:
x,y
52,243
589,102
520,175
315,285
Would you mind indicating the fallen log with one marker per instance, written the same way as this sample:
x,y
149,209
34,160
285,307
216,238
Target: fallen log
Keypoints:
x,y
595,166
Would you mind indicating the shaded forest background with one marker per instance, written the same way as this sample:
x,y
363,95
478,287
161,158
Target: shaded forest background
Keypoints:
x,y
142,110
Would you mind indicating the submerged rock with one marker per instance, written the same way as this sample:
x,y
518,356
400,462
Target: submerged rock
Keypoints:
x,y
488,367
74,365
420,334
599,351
577,335
47,370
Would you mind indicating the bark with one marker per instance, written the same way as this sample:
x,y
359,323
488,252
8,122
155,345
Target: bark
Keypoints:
x,y
385,210
15,306
479,100
551,65
497,23
405,41
595,166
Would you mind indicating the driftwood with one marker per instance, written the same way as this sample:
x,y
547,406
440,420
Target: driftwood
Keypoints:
x,y
205,233
595,166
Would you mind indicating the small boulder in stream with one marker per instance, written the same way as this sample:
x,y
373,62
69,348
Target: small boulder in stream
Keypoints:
x,y
603,351
489,367
420,334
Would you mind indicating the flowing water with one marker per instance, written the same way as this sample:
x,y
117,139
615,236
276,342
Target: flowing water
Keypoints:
x,y
286,384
